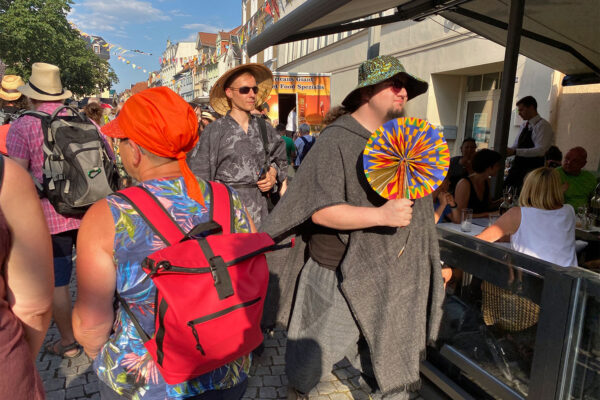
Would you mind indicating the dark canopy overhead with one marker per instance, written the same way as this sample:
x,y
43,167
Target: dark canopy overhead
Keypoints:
x,y
562,34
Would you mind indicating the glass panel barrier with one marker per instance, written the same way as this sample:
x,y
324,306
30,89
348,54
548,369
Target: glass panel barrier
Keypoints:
x,y
491,312
586,380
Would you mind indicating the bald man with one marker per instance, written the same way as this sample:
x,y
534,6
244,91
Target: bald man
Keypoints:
x,y
581,184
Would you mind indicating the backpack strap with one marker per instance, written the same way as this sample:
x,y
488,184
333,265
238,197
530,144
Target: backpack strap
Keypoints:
x,y
1,170
222,207
153,213
165,227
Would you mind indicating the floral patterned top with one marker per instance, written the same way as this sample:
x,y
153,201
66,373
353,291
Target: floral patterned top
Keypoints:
x,y
123,363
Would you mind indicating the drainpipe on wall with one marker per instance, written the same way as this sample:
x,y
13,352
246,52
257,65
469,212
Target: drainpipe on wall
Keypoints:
x,y
374,40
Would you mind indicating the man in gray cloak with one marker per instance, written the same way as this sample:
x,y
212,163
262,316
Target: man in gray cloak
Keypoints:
x,y
364,277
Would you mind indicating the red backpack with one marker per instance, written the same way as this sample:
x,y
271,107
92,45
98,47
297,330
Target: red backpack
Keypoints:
x,y
210,290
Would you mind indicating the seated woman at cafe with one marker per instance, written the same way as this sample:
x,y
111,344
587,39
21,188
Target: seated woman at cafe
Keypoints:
x,y
461,166
444,207
543,226
474,191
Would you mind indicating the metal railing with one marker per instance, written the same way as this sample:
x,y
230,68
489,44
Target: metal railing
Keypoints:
x,y
515,327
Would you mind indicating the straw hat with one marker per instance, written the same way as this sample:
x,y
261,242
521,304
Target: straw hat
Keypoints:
x,y
264,81
379,69
8,88
44,84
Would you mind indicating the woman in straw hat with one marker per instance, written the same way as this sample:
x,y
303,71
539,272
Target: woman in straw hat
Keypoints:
x,y
11,103
24,145
231,149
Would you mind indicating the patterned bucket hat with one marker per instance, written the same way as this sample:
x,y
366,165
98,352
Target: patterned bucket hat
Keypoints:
x,y
379,69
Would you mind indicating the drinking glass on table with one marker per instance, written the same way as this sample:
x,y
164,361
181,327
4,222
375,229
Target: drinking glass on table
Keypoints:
x,y
466,219
492,218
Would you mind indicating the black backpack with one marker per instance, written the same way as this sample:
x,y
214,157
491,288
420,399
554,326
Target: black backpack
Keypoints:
x,y
306,148
77,170
9,114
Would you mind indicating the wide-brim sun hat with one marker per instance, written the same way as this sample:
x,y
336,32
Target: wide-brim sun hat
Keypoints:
x,y
380,69
264,80
45,84
8,87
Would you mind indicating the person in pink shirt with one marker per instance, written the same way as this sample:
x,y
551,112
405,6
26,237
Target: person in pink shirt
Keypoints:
x,y
24,145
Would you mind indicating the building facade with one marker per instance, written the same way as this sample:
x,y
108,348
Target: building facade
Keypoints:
x,y
256,16
175,57
205,46
464,73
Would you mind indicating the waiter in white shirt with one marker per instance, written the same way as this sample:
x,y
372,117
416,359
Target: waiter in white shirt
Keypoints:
x,y
531,145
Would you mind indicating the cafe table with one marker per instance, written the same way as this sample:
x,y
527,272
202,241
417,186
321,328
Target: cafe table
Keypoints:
x,y
479,224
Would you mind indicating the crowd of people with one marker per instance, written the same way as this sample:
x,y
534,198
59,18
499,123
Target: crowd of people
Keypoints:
x,y
545,190
341,290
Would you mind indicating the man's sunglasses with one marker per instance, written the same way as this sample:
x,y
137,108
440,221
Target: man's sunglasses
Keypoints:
x,y
397,84
246,89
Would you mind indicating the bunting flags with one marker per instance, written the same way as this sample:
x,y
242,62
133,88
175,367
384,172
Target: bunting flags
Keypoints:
x,y
107,44
115,49
268,14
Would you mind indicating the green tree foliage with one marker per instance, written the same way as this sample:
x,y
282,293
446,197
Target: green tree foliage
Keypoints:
x,y
38,31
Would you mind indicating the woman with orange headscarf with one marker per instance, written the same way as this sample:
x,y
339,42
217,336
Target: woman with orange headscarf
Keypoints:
x,y
156,128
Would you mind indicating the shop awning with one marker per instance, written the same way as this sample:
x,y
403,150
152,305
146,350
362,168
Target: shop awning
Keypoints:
x,y
564,35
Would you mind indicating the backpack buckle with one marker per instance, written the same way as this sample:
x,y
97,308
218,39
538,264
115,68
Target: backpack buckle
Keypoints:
x,y
163,265
221,278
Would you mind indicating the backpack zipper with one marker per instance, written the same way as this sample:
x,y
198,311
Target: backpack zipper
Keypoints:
x,y
192,324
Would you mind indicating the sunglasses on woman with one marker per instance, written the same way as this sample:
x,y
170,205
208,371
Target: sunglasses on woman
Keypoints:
x,y
246,89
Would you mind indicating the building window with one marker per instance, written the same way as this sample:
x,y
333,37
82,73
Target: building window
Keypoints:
x,y
484,82
268,53
97,48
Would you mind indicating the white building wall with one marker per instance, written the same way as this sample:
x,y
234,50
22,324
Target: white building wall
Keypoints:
x,y
435,50
176,51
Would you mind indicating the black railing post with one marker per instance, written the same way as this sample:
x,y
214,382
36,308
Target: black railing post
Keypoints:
x,y
511,56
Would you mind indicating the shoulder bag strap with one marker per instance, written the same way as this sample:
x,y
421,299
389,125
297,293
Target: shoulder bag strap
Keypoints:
x,y
262,125
153,212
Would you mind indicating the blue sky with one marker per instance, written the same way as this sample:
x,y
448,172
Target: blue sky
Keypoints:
x,y
146,26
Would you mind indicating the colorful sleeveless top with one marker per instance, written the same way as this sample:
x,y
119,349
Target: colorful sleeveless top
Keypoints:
x,y
123,363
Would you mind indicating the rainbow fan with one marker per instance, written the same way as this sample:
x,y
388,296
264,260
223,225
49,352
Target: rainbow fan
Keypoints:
x,y
406,158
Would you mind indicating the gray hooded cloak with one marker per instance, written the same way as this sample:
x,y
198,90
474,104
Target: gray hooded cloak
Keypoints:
x,y
396,300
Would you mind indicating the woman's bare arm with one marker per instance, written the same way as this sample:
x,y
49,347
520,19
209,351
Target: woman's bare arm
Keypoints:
x,y
506,225
29,271
93,313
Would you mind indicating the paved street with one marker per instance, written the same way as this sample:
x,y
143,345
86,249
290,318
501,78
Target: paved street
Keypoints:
x,y
74,378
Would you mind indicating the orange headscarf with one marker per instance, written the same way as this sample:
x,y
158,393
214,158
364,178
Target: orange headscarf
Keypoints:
x,y
160,121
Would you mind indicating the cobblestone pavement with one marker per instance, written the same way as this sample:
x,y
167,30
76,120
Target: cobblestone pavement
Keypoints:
x,y
74,378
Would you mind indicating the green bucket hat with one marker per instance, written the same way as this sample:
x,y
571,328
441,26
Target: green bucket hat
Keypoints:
x,y
379,69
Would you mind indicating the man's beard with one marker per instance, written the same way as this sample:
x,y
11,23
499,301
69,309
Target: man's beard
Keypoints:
x,y
393,114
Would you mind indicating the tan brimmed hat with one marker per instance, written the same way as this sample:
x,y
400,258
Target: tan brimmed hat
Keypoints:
x,y
44,84
264,80
8,88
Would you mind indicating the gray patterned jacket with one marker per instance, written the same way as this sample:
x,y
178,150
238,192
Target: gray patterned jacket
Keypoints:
x,y
227,154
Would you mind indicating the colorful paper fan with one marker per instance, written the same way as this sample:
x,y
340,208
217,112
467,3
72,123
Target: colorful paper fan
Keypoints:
x,y
406,158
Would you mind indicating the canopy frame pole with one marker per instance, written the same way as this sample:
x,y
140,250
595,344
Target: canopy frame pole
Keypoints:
x,y
507,86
